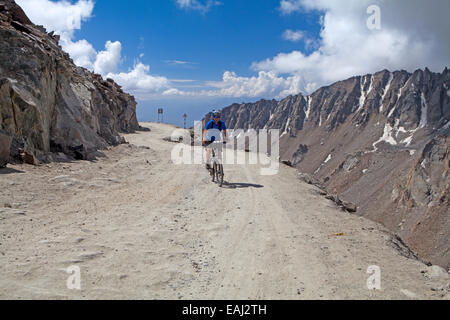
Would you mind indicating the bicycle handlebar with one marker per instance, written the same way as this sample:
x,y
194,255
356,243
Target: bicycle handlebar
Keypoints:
x,y
215,142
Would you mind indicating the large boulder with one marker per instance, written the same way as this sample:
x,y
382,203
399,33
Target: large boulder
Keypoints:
x,y
5,145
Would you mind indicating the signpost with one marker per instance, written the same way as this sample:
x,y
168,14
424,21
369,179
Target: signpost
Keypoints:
x,y
160,115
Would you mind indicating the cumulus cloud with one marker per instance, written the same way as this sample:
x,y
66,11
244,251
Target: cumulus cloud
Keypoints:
x,y
293,36
202,6
82,52
176,92
61,16
138,80
412,35
264,85
108,60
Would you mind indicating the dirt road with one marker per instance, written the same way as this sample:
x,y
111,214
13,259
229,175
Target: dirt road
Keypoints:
x,y
140,227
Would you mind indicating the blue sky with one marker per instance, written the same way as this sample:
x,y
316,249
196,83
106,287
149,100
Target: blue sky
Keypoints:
x,y
194,55
194,45
228,36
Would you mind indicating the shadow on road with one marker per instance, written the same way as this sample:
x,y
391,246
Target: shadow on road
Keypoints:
x,y
238,185
9,171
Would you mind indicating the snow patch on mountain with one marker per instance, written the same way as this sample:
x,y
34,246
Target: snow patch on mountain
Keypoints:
x,y
362,98
408,140
287,127
308,109
386,137
424,112
385,91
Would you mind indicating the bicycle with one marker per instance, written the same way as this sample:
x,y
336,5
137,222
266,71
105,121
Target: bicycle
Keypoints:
x,y
216,165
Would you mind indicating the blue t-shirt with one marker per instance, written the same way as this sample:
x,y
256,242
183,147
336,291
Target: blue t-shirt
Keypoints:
x,y
212,125
211,134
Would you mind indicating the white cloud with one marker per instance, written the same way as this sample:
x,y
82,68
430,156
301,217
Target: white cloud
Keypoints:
x,y
139,81
264,85
293,36
412,35
180,63
108,60
175,92
61,16
202,6
290,6
82,53
268,85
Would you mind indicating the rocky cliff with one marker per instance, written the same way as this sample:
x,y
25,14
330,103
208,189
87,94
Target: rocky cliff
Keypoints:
x,y
380,141
48,106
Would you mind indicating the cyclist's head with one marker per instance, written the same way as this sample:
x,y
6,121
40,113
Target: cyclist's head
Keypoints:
x,y
216,115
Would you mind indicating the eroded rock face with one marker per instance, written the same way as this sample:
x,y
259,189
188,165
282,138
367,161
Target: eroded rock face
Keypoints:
x,y
425,197
47,103
379,141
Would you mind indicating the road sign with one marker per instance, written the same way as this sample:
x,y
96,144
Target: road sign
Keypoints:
x,y
160,115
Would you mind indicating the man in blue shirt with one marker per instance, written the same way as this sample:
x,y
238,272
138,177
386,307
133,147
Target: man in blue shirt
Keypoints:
x,y
214,128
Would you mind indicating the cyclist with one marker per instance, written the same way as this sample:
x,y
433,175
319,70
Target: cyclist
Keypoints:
x,y
212,133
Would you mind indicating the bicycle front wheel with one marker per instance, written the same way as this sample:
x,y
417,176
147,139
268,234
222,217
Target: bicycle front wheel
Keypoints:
x,y
213,171
220,175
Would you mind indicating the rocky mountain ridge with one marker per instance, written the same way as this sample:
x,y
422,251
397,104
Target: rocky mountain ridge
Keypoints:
x,y
50,108
380,141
